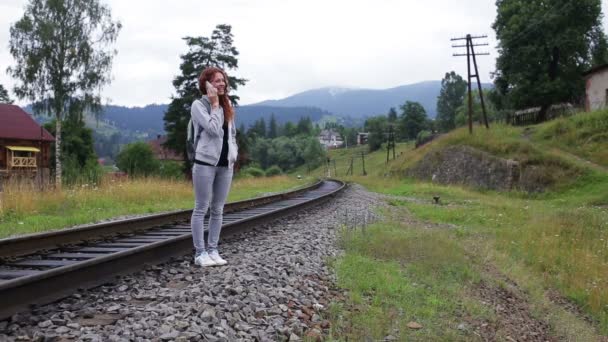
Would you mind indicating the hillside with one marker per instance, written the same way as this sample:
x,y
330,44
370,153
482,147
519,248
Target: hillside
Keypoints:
x,y
366,102
150,118
348,106
479,251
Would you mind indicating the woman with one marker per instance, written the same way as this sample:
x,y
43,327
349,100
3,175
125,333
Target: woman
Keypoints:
x,y
216,152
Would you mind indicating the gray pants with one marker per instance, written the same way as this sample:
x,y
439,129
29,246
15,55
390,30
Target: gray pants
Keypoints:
x,y
211,186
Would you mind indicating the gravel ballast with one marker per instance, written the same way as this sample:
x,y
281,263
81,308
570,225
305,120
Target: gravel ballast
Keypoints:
x,y
276,287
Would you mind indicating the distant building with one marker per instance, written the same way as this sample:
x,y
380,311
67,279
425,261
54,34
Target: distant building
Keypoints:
x,y
163,153
25,146
596,88
362,138
330,139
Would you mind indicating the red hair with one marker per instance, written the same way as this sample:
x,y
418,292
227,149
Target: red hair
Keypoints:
x,y
207,75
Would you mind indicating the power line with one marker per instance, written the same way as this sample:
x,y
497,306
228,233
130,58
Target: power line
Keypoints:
x,y
471,55
553,10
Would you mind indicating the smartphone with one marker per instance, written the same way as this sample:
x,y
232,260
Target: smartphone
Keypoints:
x,y
209,86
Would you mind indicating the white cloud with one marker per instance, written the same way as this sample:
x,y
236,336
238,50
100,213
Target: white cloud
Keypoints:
x,y
287,46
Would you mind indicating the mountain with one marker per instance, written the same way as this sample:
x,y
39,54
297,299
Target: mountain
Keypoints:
x,y
247,115
365,102
349,106
148,120
145,119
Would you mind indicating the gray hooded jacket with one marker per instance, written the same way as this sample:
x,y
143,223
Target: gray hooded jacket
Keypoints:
x,y
209,146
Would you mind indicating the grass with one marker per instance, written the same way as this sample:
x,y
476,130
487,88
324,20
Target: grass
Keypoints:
x,y
25,210
561,239
551,241
397,274
585,135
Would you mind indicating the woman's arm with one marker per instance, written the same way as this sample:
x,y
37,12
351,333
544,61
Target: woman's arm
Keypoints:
x,y
211,122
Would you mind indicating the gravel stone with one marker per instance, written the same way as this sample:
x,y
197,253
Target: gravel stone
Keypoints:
x,y
45,324
275,287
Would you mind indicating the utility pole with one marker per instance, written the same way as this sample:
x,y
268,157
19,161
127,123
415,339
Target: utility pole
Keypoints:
x,y
390,143
471,54
350,168
363,160
335,170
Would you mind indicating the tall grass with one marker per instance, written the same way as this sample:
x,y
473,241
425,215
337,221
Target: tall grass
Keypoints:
x,y
585,134
559,237
562,238
395,274
25,209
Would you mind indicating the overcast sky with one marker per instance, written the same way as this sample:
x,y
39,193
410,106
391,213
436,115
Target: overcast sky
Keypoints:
x,y
288,46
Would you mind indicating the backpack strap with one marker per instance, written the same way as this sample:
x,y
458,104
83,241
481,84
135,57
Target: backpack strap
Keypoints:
x,y
207,105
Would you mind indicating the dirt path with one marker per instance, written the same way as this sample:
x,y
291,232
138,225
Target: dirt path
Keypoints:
x,y
571,156
514,319
563,153
515,316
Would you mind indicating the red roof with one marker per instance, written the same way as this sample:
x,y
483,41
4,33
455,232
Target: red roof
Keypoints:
x,y
15,123
162,152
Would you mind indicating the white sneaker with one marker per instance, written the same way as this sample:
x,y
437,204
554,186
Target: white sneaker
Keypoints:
x,y
215,256
204,260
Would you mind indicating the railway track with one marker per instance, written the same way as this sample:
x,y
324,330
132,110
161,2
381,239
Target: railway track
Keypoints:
x,y
42,268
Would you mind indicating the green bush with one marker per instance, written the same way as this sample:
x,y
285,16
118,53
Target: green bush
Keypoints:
x,y
169,169
274,170
253,171
423,137
137,160
74,174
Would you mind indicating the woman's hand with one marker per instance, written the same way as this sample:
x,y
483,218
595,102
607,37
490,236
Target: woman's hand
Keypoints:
x,y
212,94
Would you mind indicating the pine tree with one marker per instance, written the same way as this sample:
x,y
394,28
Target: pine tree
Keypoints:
x,y
272,127
202,52
4,98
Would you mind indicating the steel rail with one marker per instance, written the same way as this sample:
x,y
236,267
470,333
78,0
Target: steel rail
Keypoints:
x,y
56,274
31,243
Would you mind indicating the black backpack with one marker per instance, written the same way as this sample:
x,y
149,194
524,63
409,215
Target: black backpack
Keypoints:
x,y
191,139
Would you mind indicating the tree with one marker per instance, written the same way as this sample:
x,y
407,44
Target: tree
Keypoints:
x,y
137,160
350,136
304,126
451,96
258,129
244,144
413,120
272,127
599,48
462,112
78,157
314,153
544,47
4,98
202,52
290,129
392,115
64,56
377,127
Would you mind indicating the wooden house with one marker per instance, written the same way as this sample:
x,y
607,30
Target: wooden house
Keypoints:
x,y
25,146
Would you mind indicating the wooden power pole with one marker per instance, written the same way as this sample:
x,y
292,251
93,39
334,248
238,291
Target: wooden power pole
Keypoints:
x,y
390,143
471,55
